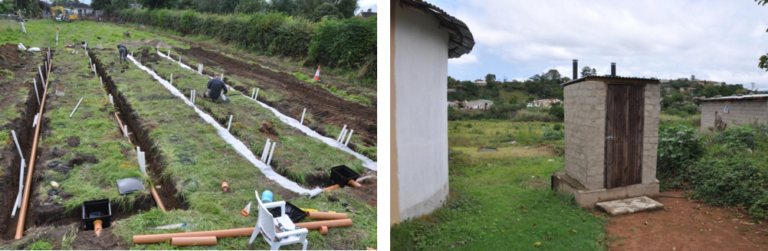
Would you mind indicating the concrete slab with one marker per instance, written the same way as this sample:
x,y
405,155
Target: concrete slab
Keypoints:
x,y
630,205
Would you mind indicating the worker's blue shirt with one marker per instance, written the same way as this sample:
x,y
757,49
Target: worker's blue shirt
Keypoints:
x,y
215,86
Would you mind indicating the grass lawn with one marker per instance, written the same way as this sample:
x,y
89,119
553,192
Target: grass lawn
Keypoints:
x,y
502,203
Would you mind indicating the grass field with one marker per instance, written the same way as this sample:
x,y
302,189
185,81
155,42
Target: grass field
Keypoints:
x,y
502,200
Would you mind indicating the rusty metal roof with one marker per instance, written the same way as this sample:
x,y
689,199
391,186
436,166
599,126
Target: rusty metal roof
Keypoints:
x,y
609,78
737,97
461,40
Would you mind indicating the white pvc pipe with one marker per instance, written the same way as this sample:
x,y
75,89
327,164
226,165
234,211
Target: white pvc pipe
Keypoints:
x,y
125,130
271,152
111,100
253,93
15,140
41,74
200,68
37,94
171,78
265,151
229,124
78,104
34,122
46,65
342,135
179,58
169,52
302,116
194,95
341,132
256,97
349,137
101,82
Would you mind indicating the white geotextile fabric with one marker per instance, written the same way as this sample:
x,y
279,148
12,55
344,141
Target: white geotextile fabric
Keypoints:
x,y
367,162
237,144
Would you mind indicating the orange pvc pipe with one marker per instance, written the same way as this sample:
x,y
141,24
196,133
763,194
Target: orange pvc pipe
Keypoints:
x,y
354,183
225,186
193,241
152,189
156,238
331,187
323,230
31,166
326,216
97,227
327,223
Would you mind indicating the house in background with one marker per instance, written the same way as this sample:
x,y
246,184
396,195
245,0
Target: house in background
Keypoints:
x,y
733,110
546,102
422,39
366,14
480,104
480,82
81,9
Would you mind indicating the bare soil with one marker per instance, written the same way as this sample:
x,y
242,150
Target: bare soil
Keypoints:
x,y
326,108
687,225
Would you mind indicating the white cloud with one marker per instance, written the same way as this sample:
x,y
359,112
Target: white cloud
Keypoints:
x,y
464,60
714,40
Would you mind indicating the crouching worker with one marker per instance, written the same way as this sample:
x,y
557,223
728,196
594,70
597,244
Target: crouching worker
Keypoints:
x,y
123,54
215,86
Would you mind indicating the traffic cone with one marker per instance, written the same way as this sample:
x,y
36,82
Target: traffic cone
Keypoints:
x,y
317,74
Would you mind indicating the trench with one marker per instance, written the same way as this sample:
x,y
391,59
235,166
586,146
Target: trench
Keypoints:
x,y
25,133
140,137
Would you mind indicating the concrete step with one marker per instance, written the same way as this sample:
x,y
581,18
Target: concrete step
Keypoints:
x,y
630,205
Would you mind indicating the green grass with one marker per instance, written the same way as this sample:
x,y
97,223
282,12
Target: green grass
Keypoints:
x,y
692,120
296,155
45,244
99,135
179,133
42,33
507,206
495,133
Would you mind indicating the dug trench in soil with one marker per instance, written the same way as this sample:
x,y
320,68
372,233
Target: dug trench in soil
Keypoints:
x,y
11,59
140,138
325,107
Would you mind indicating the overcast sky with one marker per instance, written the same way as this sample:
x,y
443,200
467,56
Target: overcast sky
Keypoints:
x,y
711,39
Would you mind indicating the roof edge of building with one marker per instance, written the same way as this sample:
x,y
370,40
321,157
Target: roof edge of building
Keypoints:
x,y
461,40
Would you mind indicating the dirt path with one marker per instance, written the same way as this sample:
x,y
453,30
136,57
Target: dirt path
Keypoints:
x,y
685,225
325,107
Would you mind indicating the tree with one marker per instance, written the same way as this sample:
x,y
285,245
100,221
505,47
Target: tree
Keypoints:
x,y
586,71
763,61
285,6
326,10
158,4
251,6
347,7
490,78
552,75
693,77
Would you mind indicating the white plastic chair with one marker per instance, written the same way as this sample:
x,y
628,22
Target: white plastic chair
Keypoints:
x,y
268,226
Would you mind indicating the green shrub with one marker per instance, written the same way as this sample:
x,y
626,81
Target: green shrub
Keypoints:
x,y
728,176
552,134
742,135
679,147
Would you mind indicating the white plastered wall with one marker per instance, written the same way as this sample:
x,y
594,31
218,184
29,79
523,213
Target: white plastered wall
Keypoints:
x,y
421,70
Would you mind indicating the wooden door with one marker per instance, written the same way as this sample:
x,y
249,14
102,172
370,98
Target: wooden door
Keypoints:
x,y
624,135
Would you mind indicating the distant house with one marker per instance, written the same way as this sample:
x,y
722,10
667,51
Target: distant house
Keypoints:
x,y
733,110
451,89
136,5
544,102
81,9
480,104
366,15
422,39
480,82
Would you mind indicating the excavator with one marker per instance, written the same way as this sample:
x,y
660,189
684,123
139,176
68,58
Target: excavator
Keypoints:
x,y
63,14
